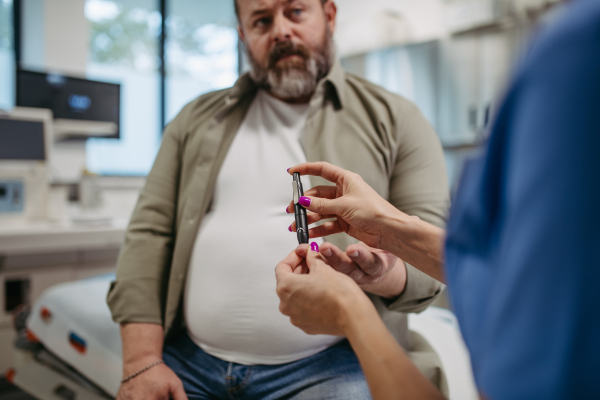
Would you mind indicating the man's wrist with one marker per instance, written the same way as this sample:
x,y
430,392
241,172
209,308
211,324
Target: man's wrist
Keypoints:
x,y
391,285
137,363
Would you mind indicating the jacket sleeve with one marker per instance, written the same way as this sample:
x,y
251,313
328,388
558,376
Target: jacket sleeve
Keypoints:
x,y
139,291
418,186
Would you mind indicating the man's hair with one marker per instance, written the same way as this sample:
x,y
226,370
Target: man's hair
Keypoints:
x,y
237,8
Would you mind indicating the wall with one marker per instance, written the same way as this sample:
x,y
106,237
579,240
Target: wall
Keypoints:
x,y
55,35
418,20
55,38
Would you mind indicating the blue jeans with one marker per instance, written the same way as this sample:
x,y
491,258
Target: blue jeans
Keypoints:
x,y
331,374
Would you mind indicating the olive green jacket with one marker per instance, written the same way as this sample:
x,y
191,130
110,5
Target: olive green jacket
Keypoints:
x,y
352,123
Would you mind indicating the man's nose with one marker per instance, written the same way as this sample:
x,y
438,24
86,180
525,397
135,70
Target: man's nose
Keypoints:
x,y
282,30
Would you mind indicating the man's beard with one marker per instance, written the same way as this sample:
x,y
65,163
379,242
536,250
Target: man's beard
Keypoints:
x,y
294,79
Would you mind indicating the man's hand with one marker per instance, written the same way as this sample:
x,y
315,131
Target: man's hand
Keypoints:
x,y
142,346
323,301
158,383
375,271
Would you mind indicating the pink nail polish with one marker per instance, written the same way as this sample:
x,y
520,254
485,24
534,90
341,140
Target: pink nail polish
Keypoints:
x,y
288,170
290,228
304,201
286,210
314,246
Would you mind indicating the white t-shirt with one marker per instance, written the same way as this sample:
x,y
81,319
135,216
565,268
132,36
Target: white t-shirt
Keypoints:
x,y
230,304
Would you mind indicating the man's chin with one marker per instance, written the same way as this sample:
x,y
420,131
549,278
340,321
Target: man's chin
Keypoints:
x,y
292,84
290,62
291,58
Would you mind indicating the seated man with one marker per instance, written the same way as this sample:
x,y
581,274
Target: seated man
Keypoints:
x,y
196,269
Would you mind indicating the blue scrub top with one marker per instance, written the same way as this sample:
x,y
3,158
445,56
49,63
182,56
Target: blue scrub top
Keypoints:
x,y
523,246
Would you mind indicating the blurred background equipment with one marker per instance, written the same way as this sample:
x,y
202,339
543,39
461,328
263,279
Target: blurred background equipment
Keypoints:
x,y
25,140
81,107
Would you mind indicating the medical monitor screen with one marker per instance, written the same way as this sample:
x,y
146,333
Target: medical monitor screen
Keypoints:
x,y
21,140
70,98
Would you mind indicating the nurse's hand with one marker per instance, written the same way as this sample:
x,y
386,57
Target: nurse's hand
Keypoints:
x,y
359,210
375,271
323,301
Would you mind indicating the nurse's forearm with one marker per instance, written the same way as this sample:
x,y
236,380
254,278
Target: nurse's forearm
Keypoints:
x,y
388,370
415,241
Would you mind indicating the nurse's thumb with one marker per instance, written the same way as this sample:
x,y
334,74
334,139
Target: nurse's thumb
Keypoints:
x,y
319,205
313,257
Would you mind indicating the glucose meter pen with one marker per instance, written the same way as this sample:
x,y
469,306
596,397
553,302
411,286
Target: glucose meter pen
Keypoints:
x,y
299,211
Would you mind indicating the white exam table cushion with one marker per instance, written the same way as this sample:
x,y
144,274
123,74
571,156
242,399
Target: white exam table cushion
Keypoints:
x,y
440,328
73,321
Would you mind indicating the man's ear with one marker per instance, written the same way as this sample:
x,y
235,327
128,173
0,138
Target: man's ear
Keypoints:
x,y
241,33
330,10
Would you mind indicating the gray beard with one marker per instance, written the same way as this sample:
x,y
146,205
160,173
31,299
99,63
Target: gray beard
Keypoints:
x,y
292,82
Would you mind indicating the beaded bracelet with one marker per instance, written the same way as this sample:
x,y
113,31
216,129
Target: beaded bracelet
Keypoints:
x,y
142,370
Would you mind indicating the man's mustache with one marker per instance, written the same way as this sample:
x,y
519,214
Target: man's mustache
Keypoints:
x,y
285,49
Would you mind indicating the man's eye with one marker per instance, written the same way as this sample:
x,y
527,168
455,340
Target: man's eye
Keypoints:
x,y
262,22
296,12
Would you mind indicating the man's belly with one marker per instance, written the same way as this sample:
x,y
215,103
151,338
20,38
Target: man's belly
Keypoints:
x,y
231,307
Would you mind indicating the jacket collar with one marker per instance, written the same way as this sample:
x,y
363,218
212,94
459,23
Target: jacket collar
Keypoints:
x,y
246,86
337,79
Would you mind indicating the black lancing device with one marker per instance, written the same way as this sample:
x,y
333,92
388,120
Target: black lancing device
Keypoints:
x,y
299,211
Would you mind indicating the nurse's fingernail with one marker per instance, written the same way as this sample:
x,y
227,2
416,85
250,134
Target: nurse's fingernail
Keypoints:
x,y
288,170
304,201
314,246
327,253
290,228
354,255
286,210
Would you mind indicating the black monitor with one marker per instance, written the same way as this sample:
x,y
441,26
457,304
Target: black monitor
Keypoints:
x,y
22,140
70,98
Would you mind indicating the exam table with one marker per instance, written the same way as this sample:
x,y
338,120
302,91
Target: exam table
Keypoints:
x,y
71,349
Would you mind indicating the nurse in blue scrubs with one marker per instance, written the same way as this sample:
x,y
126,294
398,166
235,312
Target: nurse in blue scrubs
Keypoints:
x,y
522,249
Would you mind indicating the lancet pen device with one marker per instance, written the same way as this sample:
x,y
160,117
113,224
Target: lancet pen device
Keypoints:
x,y
299,211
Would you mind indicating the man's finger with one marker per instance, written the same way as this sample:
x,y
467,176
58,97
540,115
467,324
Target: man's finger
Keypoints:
x,y
337,259
322,169
367,259
178,393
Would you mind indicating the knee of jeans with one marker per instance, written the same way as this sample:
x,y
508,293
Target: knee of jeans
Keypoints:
x,y
348,387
